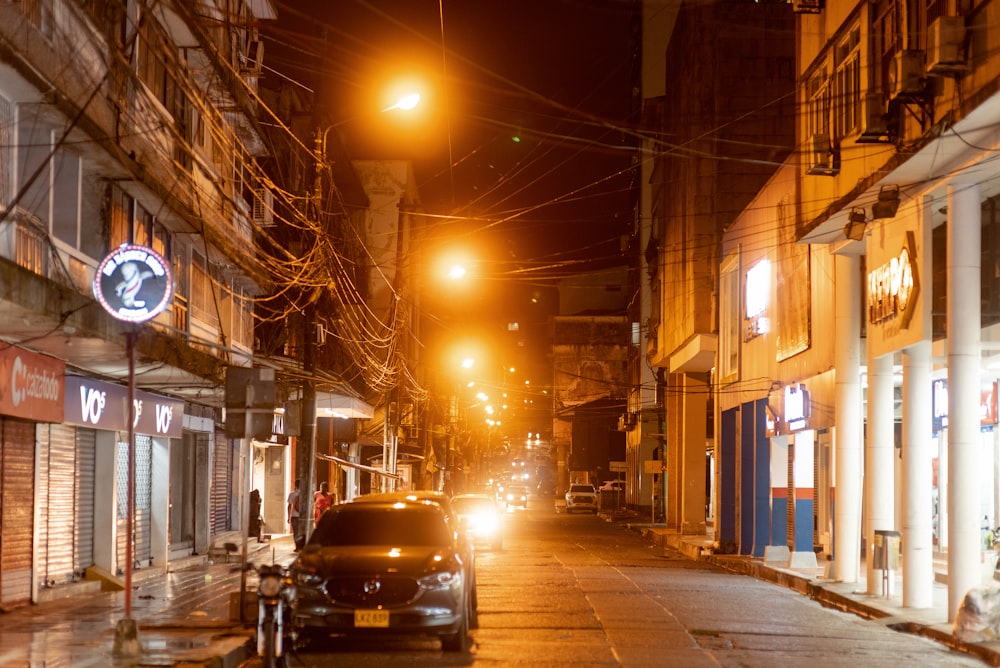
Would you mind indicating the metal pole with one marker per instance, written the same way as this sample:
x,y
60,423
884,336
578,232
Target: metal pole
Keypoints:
x,y
248,463
130,510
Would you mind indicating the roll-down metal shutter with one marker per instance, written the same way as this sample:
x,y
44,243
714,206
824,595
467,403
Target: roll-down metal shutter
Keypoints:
x,y
221,484
141,550
86,478
17,474
58,476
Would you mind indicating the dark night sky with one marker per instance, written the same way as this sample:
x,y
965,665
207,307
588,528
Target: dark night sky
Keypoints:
x,y
554,74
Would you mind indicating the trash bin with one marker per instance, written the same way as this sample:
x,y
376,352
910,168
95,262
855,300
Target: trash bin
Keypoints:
x,y
886,555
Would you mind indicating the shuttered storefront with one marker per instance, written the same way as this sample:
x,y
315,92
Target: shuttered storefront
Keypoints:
x,y
66,484
141,547
222,464
17,473
56,489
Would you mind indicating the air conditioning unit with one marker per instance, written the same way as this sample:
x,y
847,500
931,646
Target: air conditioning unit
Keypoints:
x,y
874,129
823,159
263,207
946,45
906,75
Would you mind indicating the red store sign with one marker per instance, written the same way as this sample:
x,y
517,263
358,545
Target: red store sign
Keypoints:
x,y
31,385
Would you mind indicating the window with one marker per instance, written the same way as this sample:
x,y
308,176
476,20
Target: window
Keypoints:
x,y
847,84
202,296
818,105
159,65
64,200
729,318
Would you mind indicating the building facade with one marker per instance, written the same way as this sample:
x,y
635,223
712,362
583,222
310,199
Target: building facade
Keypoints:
x,y
853,365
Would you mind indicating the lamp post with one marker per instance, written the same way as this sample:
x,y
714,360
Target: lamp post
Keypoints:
x,y
306,452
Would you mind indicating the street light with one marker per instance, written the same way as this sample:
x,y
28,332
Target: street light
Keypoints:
x,y
306,448
406,102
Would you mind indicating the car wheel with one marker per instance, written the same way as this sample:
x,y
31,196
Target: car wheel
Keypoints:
x,y
456,642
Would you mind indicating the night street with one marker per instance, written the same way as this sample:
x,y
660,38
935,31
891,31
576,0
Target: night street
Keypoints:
x,y
575,590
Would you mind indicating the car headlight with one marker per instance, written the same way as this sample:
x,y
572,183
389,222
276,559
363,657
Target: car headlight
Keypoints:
x,y
438,580
307,579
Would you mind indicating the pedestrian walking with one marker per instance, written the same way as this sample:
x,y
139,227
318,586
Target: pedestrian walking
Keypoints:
x,y
321,500
293,516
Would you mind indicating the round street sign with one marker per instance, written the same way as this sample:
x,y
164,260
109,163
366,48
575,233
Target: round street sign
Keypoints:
x,y
133,283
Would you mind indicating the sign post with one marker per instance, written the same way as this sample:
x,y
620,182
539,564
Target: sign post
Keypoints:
x,y
134,284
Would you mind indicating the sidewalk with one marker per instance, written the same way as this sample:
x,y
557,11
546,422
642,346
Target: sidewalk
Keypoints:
x,y
930,622
183,616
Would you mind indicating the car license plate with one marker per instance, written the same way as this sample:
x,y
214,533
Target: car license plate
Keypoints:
x,y
371,618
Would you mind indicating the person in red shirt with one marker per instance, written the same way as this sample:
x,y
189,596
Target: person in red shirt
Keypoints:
x,y
321,500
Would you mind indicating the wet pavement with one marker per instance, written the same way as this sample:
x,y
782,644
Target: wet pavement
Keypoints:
x,y
183,617
188,617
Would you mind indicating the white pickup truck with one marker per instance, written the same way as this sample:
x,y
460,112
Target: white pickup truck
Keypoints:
x,y
581,497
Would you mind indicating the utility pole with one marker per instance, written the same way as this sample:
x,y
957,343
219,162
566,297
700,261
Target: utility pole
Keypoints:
x,y
305,451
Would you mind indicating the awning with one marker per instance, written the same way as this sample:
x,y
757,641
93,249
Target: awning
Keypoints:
x,y
341,405
362,467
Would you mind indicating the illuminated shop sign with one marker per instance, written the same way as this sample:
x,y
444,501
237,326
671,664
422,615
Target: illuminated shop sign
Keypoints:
x,y
939,404
99,405
133,283
757,291
893,287
31,385
797,406
987,404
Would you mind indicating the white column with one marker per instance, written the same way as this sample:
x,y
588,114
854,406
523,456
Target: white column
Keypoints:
x,y
917,537
847,361
879,464
963,322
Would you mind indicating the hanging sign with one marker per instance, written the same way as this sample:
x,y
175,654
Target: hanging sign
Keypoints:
x,y
133,283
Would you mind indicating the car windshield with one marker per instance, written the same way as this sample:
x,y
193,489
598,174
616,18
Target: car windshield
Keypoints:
x,y
382,526
582,488
472,505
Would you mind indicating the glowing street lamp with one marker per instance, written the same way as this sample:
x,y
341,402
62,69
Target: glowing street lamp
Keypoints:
x,y
406,102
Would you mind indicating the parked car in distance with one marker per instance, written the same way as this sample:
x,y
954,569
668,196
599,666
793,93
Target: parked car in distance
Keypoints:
x,y
515,496
480,517
383,568
612,486
581,497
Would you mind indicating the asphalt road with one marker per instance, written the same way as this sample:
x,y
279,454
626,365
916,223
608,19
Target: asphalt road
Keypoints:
x,y
574,590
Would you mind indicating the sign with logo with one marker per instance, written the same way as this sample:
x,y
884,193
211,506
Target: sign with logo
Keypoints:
x,y
99,405
797,406
31,385
133,283
893,287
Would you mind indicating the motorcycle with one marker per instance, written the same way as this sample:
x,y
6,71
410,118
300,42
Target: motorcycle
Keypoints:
x,y
275,595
